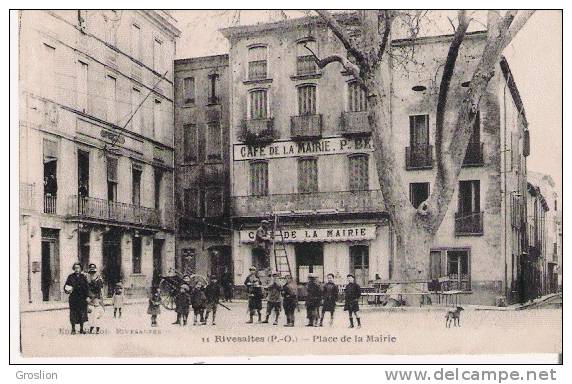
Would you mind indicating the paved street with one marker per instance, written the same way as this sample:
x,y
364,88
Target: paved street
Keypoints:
x,y
411,331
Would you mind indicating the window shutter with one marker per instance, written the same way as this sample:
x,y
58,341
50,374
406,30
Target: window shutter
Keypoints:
x,y
50,151
112,169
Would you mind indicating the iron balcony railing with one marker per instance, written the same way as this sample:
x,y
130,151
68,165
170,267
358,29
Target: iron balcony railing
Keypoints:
x,y
306,65
101,209
355,123
257,70
309,203
50,204
257,130
419,157
474,155
468,223
306,126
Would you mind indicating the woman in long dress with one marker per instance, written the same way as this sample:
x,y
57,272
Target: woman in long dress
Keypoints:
x,y
77,288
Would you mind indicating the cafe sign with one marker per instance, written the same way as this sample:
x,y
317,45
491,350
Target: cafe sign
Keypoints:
x,y
327,146
330,234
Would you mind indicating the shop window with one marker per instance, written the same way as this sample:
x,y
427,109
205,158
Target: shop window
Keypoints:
x,y
309,259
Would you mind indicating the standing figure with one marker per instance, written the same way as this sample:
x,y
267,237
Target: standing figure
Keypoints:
x,y
262,245
313,300
255,301
330,294
77,288
249,282
352,295
274,299
154,307
118,299
96,310
199,302
226,282
290,302
95,282
182,305
212,292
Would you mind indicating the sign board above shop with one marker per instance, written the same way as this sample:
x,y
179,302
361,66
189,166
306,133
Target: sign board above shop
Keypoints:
x,y
326,146
330,234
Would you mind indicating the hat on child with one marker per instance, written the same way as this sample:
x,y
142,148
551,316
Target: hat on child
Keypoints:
x,y
185,287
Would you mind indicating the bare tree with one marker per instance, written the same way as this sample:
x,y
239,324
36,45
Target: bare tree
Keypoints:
x,y
415,229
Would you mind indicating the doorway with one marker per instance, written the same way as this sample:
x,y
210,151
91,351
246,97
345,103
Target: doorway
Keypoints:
x,y
50,272
309,259
359,263
157,260
111,270
220,260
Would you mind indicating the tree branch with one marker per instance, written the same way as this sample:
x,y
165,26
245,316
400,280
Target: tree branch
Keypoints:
x,y
344,37
345,63
388,19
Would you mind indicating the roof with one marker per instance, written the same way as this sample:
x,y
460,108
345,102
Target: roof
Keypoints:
x,y
219,59
513,88
535,191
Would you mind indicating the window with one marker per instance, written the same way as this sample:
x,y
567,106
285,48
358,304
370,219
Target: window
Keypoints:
x,y
213,201
469,196
191,201
435,269
136,116
112,179
136,185
214,141
84,247
359,173
83,173
190,142
357,98
213,79
48,71
157,120
305,63
82,90
50,149
136,42
307,175
136,241
475,138
258,104
418,193
158,56
158,179
458,268
257,66
419,131
453,264
189,90
111,99
259,178
359,263
307,100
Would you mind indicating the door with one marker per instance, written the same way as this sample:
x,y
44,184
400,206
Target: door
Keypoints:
x,y
50,271
359,263
111,270
157,260
309,259
220,260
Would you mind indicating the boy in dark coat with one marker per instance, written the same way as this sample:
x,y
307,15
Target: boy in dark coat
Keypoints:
x,y
274,299
313,300
330,295
154,307
255,301
182,302
212,292
352,294
290,302
199,302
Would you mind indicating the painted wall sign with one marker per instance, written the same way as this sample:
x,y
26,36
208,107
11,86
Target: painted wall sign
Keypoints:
x,y
327,146
298,235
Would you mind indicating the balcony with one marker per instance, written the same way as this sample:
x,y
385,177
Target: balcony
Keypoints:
x,y
474,155
213,100
257,70
306,65
419,157
309,203
50,204
257,131
355,123
306,127
468,224
91,208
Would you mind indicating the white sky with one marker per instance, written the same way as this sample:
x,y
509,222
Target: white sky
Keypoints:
x,y
535,57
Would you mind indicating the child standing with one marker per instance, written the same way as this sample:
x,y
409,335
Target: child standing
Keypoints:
x,y
330,296
117,299
199,302
212,292
96,310
255,301
182,304
352,294
154,308
274,299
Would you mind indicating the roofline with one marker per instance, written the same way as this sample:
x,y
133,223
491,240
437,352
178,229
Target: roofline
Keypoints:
x,y
198,59
509,77
160,18
435,38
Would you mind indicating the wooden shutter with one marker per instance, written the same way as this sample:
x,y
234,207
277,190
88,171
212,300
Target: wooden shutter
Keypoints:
x,y
112,169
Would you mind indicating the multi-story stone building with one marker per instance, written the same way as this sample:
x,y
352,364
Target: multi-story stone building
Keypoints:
x,y
301,149
96,147
202,159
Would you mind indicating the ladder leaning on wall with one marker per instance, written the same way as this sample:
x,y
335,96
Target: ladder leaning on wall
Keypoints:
x,y
281,262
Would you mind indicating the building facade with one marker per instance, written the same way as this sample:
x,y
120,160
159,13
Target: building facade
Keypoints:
x,y
202,159
301,150
96,148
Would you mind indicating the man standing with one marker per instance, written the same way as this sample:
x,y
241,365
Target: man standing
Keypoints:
x,y
290,302
330,294
251,281
226,282
262,244
313,300
274,299
212,291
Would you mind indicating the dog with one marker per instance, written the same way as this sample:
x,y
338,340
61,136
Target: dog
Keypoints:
x,y
455,316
